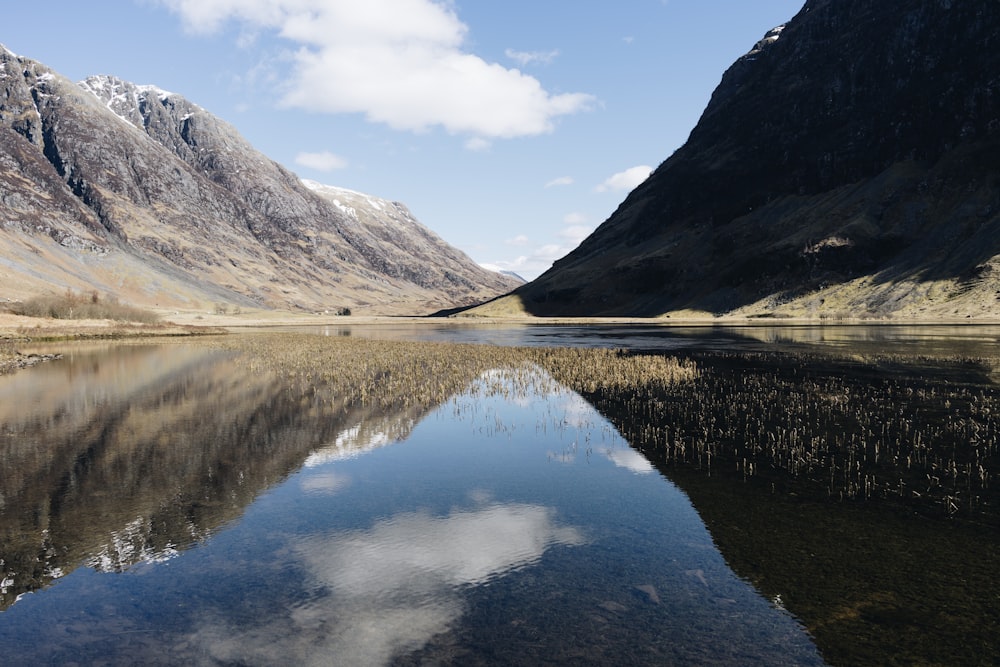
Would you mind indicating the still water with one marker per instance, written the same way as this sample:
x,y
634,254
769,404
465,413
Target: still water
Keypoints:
x,y
164,504
968,340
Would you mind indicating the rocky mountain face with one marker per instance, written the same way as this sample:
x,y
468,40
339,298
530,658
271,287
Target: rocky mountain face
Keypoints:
x,y
136,192
847,165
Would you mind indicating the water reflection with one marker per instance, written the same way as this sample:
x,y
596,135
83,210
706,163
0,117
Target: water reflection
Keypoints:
x,y
972,340
901,571
387,590
226,516
122,454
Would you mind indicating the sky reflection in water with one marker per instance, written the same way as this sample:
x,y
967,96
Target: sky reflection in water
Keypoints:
x,y
502,528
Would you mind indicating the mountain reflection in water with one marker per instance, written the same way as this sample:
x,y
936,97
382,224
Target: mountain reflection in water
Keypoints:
x,y
124,454
230,517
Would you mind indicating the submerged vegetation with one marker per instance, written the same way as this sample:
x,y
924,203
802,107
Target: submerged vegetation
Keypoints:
x,y
830,482
857,492
393,373
907,431
918,433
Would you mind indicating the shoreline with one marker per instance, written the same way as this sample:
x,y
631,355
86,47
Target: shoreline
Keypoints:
x,y
22,328
17,331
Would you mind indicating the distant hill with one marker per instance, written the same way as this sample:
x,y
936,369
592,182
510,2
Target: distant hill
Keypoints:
x,y
847,165
138,193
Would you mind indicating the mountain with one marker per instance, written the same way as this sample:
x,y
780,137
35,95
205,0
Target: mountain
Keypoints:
x,y
136,192
847,165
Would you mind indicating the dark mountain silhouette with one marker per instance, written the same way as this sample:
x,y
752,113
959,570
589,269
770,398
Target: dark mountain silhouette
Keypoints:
x,y
848,165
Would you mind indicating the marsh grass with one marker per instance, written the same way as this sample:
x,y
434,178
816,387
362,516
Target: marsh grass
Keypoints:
x,y
73,306
8,354
910,431
919,433
394,374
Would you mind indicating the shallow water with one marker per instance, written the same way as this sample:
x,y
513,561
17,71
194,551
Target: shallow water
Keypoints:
x,y
950,339
161,504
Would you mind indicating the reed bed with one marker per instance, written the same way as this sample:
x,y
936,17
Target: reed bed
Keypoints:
x,y
821,427
871,429
8,355
392,374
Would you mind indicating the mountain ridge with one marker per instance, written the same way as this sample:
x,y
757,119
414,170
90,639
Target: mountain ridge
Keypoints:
x,y
844,167
140,193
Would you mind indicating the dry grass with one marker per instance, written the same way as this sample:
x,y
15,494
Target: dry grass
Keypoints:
x,y
395,374
73,306
8,354
509,306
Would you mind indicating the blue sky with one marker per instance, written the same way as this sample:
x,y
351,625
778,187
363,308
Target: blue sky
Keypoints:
x,y
511,129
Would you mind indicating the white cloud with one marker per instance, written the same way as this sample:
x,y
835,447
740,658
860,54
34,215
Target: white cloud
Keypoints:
x,y
575,234
398,62
478,144
525,58
562,180
529,266
535,260
323,161
626,181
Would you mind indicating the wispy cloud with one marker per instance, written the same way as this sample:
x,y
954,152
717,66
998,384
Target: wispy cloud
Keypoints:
x,y
575,234
403,63
533,263
525,58
322,161
576,229
536,258
625,181
561,181
478,144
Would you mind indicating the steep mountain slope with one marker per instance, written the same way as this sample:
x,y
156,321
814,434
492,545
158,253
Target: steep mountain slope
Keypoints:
x,y
848,165
137,192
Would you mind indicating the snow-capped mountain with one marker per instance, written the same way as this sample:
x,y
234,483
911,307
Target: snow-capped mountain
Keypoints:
x,y
136,192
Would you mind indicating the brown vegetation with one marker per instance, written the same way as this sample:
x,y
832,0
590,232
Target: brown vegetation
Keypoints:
x,y
73,306
393,373
8,355
919,433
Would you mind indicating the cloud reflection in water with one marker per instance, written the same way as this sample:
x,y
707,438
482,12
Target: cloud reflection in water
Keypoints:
x,y
325,483
389,589
630,459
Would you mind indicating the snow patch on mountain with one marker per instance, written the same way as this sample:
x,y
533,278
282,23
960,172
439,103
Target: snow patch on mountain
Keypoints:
x,y
772,36
123,98
336,194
